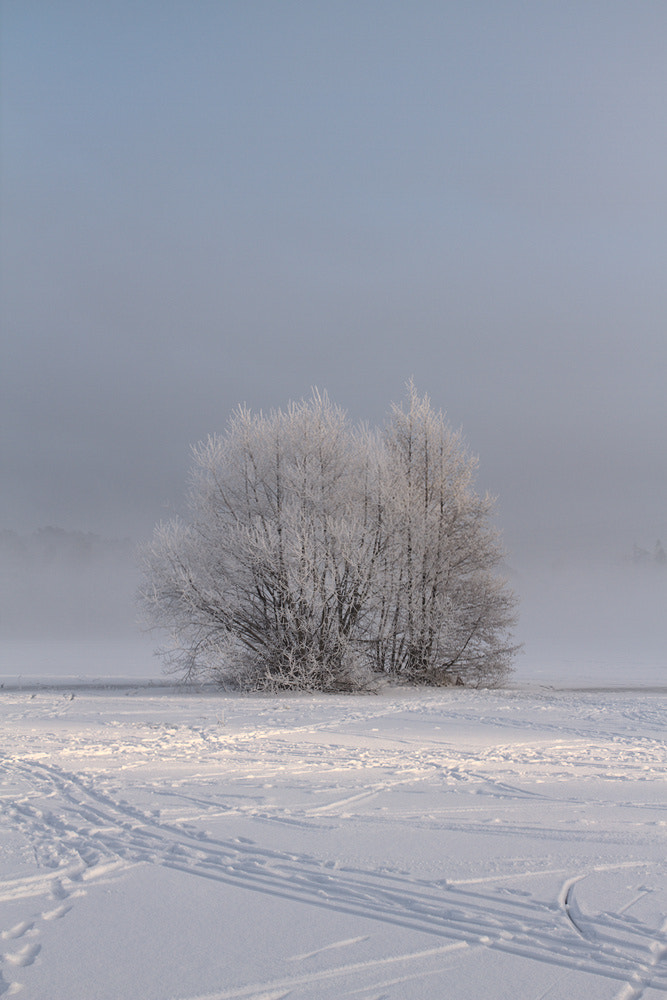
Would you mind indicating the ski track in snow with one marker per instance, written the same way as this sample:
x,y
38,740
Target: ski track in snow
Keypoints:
x,y
68,788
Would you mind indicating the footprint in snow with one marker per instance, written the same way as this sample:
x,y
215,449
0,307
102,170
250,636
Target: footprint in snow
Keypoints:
x,y
18,930
58,891
56,914
26,956
9,988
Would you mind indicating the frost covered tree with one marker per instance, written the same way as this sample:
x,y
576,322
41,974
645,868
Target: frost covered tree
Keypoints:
x,y
317,555
444,613
269,581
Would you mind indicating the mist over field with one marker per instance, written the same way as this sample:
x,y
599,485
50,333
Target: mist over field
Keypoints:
x,y
68,608
225,204
587,625
65,585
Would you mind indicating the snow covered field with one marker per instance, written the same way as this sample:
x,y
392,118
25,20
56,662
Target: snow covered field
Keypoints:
x,y
160,844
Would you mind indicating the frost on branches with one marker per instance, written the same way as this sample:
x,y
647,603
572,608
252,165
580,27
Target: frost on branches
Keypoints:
x,y
320,556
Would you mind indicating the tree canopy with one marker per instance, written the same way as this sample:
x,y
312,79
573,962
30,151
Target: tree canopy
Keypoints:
x,y
319,555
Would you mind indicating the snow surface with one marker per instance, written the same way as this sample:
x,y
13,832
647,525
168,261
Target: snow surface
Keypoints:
x,y
158,843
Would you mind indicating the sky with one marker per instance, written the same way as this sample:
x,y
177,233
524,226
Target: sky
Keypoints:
x,y
207,203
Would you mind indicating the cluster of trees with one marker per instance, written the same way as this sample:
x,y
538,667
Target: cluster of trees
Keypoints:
x,y
319,555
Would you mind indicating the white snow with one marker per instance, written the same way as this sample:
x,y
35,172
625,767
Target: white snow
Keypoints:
x,y
161,844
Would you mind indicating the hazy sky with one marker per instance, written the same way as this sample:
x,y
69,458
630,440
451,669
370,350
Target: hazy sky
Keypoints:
x,y
217,201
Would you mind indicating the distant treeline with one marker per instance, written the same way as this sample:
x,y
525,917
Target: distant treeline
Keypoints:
x,y
645,557
56,545
62,583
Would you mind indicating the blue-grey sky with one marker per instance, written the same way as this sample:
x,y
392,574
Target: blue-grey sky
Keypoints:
x,y
205,203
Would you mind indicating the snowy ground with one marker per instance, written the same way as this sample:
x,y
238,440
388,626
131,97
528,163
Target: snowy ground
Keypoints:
x,y
160,844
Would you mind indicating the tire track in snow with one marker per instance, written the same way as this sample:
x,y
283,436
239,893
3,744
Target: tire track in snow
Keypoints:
x,y
85,831
280,988
647,975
